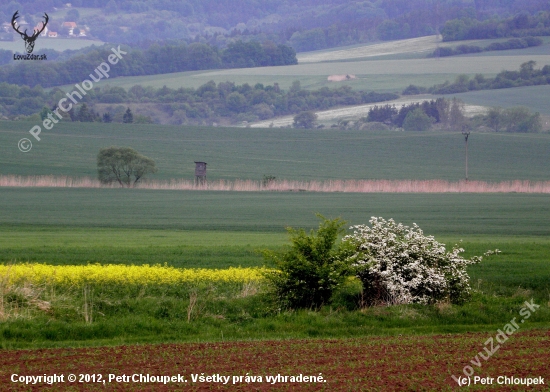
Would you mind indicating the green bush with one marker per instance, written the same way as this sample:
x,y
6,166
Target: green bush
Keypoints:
x,y
417,120
308,273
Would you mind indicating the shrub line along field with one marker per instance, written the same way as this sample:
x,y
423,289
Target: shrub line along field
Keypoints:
x,y
346,186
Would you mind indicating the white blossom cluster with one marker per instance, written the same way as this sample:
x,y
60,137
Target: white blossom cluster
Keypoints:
x,y
399,264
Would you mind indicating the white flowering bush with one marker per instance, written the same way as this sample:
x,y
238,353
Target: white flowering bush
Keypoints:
x,y
399,264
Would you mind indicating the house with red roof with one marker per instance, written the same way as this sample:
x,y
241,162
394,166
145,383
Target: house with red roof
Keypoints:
x,y
71,26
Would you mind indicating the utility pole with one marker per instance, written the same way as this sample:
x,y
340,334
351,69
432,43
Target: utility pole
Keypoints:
x,y
466,134
437,35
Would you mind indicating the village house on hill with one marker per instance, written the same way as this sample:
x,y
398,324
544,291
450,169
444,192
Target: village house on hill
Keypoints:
x,y
71,26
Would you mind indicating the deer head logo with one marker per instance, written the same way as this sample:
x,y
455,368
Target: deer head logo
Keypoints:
x,y
29,41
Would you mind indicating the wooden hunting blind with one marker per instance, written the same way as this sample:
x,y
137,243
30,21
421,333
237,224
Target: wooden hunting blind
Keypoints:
x,y
200,172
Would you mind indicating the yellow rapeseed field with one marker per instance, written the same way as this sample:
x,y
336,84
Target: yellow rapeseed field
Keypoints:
x,y
122,274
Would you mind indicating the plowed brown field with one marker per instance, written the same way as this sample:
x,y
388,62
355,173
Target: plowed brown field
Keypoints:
x,y
407,363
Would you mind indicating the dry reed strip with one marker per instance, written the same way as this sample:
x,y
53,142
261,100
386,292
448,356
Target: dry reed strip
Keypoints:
x,y
345,186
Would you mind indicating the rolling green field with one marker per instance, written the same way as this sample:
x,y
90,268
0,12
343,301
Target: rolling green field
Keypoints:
x,y
238,153
439,214
533,97
378,74
391,82
225,229
411,48
194,229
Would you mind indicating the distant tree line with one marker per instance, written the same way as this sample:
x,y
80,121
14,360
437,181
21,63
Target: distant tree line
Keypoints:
x,y
211,102
356,22
227,102
520,25
395,19
348,21
514,43
515,119
449,114
526,76
83,113
156,59
420,116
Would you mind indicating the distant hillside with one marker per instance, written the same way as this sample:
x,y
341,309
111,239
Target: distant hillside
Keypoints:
x,y
304,24
156,59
